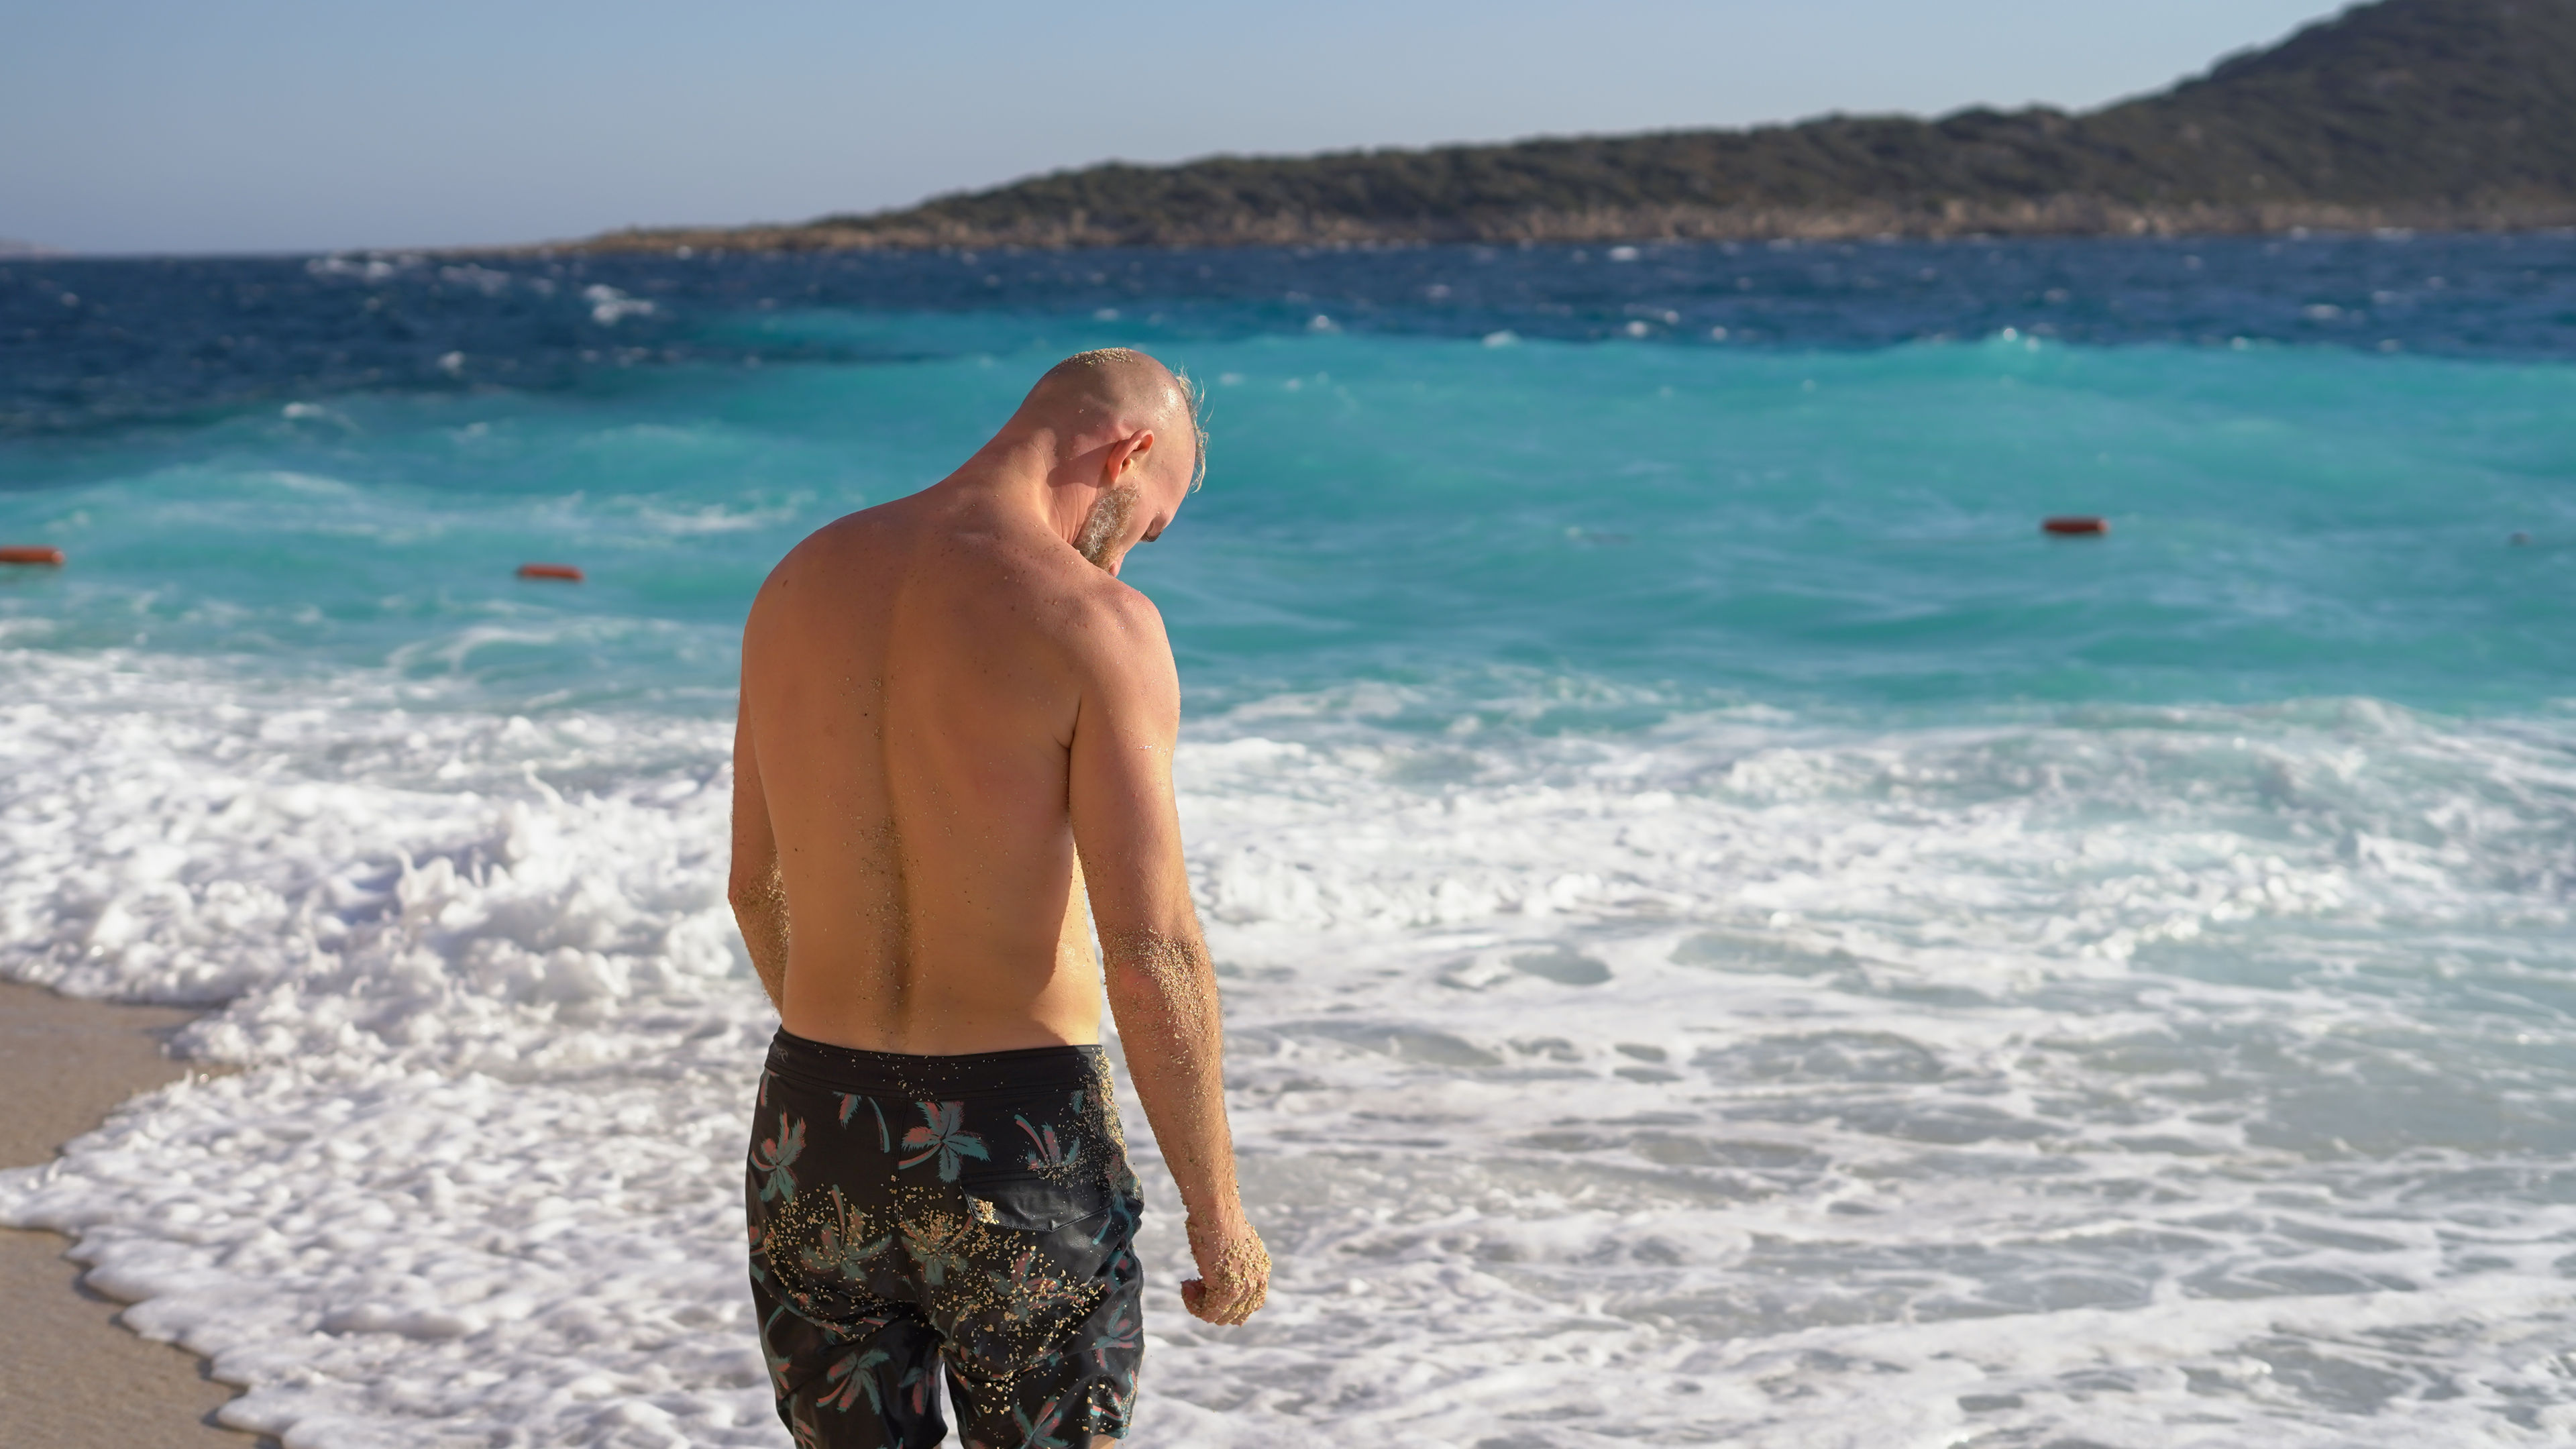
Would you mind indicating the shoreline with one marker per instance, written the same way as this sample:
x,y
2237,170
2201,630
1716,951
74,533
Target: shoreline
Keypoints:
x,y
72,1375
2062,218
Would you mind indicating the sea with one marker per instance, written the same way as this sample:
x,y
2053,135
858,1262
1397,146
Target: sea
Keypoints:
x,y
1730,934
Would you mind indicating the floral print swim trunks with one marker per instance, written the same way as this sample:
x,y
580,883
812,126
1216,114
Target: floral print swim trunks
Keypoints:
x,y
974,1212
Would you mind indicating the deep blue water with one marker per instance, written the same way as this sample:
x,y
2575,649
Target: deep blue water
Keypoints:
x,y
88,341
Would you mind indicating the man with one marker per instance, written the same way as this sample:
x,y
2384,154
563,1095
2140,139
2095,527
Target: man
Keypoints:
x,y
954,719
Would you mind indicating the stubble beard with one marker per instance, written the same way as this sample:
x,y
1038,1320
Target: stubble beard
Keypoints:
x,y
1107,520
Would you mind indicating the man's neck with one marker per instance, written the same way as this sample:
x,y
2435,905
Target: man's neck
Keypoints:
x,y
1012,475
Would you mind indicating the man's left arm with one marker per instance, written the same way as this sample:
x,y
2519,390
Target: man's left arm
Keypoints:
x,y
756,889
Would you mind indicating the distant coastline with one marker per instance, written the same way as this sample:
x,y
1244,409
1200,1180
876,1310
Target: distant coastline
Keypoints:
x,y
2429,115
2053,216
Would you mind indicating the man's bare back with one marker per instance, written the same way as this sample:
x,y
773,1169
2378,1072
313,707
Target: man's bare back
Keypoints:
x,y
950,707
915,675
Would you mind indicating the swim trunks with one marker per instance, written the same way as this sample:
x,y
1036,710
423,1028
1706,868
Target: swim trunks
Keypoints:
x,y
975,1212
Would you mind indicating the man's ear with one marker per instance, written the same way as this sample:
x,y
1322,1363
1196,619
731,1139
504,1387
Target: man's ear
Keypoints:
x,y
1128,452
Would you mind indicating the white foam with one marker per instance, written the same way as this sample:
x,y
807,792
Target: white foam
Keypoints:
x,y
609,306
2151,1076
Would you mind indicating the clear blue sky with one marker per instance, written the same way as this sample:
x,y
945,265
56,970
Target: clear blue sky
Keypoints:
x,y
268,125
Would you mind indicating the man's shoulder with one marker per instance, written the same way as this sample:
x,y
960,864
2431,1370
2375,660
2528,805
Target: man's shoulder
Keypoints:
x,y
833,545
1091,610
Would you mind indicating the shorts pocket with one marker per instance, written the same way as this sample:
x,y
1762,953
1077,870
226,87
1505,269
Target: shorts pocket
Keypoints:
x,y
1034,1204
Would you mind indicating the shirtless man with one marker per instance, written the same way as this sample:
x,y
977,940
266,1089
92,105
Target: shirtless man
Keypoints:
x,y
954,719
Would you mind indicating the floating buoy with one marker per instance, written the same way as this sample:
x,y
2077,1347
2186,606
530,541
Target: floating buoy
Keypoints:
x,y
565,572
2075,524
31,555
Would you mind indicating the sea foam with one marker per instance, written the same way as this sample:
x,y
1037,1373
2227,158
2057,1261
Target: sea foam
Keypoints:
x,y
2171,1074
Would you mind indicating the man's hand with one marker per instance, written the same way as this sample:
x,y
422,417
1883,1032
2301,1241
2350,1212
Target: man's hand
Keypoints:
x,y
1234,1274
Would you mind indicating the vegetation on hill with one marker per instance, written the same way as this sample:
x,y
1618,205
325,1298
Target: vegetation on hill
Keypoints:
x,y
2435,114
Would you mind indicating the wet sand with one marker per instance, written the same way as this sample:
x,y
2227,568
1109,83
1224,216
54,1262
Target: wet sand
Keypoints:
x,y
72,1376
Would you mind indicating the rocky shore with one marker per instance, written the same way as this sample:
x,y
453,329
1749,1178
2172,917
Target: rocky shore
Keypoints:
x,y
2052,216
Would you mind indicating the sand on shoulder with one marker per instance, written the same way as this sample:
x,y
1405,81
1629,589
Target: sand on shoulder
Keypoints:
x,y
71,1376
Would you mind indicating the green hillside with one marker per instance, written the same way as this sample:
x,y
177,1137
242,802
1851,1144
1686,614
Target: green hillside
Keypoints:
x,y
2437,114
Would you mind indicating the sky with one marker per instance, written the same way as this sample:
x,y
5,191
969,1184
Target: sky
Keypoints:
x,y
307,125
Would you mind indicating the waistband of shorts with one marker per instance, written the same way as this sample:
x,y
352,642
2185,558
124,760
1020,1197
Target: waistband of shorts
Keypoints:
x,y
969,1074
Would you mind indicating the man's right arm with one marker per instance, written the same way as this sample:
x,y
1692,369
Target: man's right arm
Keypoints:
x,y
1161,985
755,888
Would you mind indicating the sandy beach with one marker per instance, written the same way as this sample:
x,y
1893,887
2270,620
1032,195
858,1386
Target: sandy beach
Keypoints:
x,y
71,1376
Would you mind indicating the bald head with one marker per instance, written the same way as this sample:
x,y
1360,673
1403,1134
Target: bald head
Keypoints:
x,y
1119,389
1107,446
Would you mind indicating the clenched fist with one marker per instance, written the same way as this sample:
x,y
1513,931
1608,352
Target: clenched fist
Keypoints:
x,y
1234,1273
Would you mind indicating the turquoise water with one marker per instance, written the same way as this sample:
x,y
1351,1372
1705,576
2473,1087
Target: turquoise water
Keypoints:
x,y
1846,529
1730,934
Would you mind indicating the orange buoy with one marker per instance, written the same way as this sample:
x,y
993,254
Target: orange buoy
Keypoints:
x,y
31,555
2076,524
566,572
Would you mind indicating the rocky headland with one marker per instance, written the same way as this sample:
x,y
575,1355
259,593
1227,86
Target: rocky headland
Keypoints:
x,y
2416,114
